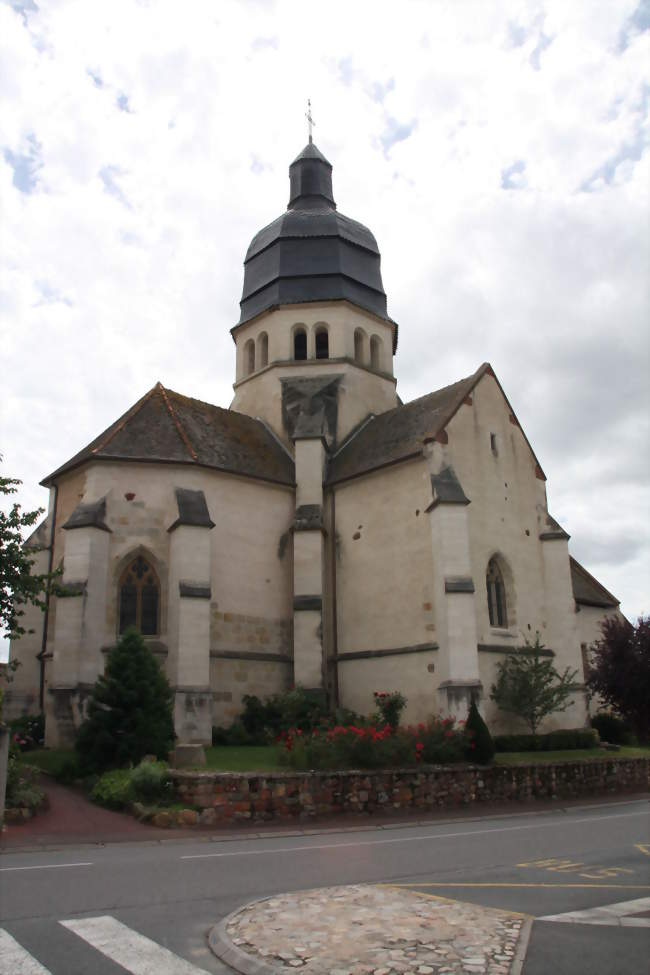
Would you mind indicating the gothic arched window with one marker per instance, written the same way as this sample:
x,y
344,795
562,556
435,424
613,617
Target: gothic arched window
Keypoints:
x,y
496,595
139,597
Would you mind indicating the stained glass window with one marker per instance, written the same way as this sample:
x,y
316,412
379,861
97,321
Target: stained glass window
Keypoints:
x,y
496,595
139,597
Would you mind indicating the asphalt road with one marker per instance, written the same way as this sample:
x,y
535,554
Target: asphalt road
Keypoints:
x,y
546,863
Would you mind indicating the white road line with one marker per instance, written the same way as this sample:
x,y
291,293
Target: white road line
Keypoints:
x,y
134,952
407,839
612,914
14,960
47,866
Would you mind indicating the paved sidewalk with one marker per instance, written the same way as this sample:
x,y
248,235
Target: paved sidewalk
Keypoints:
x,y
370,930
71,819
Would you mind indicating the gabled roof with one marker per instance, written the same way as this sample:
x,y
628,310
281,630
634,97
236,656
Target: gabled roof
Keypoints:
x,y
402,432
587,591
166,427
399,433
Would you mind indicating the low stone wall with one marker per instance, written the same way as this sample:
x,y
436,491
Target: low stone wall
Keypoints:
x,y
234,796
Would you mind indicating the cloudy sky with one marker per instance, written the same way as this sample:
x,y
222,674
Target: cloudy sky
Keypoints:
x,y
498,151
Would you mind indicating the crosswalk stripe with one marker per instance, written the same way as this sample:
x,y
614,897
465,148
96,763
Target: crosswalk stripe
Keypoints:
x,y
139,955
622,914
14,960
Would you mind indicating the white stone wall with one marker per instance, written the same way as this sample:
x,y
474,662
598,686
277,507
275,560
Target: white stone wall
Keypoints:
x,y
384,564
364,390
415,675
588,620
243,559
507,513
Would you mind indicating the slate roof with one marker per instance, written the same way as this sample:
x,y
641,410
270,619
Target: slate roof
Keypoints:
x,y
166,427
587,590
400,433
312,252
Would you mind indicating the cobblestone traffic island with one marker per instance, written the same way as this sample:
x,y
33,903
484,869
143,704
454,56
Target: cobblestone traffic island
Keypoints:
x,y
370,930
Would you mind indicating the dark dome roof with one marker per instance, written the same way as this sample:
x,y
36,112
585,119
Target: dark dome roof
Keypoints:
x,y
312,252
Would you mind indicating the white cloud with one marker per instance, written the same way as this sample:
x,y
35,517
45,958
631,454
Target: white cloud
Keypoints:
x,y
156,138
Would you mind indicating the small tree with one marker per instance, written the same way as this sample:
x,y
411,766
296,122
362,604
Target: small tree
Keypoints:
x,y
18,584
619,670
129,710
480,745
529,686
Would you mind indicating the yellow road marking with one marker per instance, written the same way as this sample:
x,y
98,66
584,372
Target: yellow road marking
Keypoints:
x,y
555,865
577,886
644,847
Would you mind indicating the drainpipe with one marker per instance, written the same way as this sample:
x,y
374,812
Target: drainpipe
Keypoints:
x,y
46,613
335,625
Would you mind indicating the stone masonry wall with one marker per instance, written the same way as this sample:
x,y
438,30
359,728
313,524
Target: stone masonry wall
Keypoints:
x,y
235,631
227,797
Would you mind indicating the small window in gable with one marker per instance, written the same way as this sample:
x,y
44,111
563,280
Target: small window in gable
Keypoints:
x,y
300,344
496,595
322,343
139,597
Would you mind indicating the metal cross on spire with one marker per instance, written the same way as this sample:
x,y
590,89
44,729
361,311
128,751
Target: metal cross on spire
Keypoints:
x,y
310,120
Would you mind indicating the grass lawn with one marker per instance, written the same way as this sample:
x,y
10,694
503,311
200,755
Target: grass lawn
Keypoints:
x,y
243,758
264,758
48,759
625,751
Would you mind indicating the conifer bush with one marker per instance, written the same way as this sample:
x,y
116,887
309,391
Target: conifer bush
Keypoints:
x,y
129,710
480,743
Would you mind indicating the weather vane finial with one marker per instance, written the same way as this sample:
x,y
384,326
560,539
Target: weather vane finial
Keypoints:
x,y
310,120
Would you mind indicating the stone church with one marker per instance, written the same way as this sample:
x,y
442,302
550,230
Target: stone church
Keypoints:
x,y
319,532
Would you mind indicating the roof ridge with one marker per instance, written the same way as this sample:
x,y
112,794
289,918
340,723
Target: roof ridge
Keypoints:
x,y
176,421
213,406
466,386
125,419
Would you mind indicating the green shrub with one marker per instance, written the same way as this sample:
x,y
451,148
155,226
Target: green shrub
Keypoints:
x,y
390,705
613,729
367,746
297,708
480,747
129,710
260,721
22,792
14,772
113,789
236,735
67,771
565,739
150,782
28,731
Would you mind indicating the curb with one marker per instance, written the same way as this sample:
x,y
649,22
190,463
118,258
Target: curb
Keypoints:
x,y
522,947
221,946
